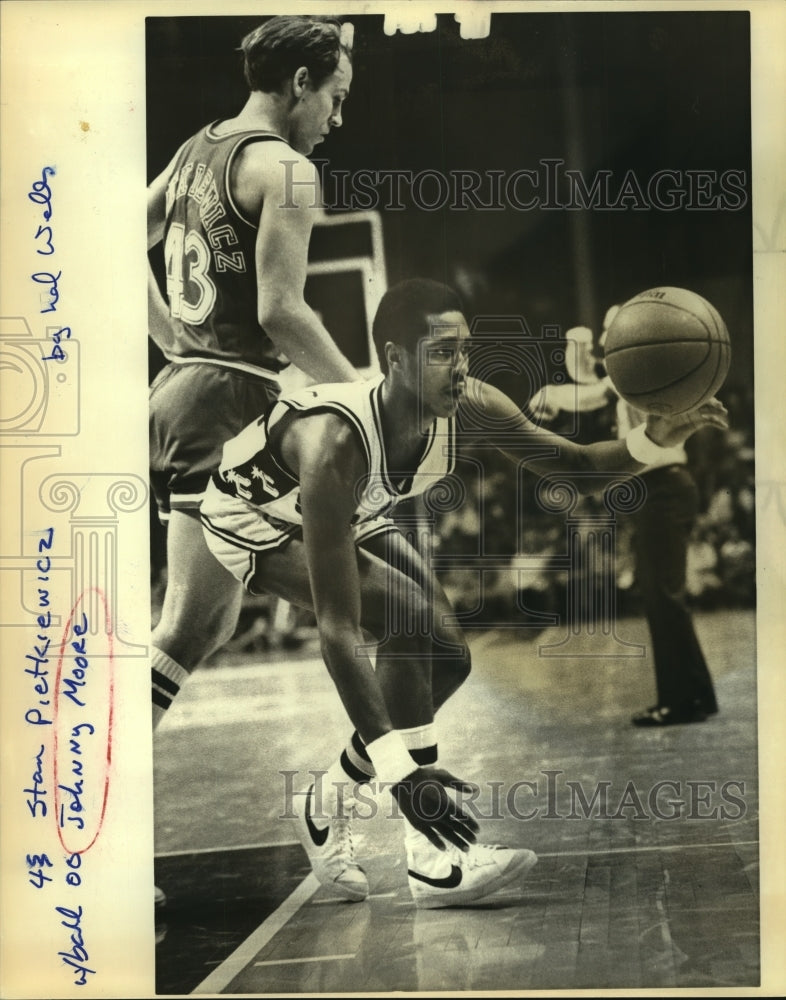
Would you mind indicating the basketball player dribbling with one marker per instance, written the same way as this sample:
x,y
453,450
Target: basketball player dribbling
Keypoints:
x,y
299,507
234,210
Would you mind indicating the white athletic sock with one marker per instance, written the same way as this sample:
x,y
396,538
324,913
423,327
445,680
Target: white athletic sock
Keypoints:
x,y
168,678
355,762
354,767
421,741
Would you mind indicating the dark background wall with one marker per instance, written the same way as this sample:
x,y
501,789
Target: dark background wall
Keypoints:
x,y
620,92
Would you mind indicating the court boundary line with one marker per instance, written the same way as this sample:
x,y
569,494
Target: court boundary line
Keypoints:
x,y
305,960
649,848
243,955
226,850
545,854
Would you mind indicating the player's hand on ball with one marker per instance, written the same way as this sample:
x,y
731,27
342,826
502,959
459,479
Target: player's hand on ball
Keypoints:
x,y
423,799
668,432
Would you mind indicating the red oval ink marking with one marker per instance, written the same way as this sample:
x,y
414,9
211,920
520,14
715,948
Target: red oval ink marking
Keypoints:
x,y
95,710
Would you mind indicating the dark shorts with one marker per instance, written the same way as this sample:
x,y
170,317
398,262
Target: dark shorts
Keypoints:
x,y
194,410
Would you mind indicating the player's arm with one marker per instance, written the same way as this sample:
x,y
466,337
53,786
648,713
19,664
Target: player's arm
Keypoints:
x,y
550,400
545,452
285,188
159,321
329,462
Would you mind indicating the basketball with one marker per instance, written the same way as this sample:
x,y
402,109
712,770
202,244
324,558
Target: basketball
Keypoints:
x,y
667,350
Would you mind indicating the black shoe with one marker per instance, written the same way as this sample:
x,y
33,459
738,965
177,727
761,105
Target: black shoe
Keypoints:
x,y
664,715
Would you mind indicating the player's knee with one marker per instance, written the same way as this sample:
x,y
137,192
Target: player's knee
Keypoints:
x,y
223,631
191,639
178,647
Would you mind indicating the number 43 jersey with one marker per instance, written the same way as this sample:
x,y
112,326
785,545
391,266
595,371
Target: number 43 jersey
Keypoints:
x,y
209,251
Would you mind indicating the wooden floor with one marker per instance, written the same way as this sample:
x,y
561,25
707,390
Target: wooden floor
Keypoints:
x,y
652,885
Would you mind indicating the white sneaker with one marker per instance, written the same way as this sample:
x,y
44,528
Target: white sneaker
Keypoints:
x,y
455,878
330,850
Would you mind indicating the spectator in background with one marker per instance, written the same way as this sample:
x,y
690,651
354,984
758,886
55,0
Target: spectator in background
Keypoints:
x,y
662,530
587,393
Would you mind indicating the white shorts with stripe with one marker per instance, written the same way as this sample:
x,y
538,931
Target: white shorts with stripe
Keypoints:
x,y
237,533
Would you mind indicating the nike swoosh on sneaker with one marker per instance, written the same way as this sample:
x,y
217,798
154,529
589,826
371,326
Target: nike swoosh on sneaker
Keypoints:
x,y
318,836
446,882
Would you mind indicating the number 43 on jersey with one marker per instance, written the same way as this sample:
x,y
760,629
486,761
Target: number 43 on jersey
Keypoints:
x,y
191,295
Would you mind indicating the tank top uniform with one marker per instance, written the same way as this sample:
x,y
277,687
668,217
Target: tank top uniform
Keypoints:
x,y
223,367
252,504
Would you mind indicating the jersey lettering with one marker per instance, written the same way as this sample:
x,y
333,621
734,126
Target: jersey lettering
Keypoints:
x,y
223,236
241,484
268,483
183,180
210,257
254,470
230,262
203,179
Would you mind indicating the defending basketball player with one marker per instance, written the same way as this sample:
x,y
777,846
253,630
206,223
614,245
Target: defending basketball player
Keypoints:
x,y
234,210
298,508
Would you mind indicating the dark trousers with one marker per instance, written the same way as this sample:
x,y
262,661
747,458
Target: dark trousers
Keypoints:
x,y
662,529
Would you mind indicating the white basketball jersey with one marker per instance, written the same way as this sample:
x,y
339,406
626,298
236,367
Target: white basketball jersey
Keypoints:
x,y
252,470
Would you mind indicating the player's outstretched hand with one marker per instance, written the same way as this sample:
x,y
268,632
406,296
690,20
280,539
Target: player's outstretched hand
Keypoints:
x,y
423,799
668,432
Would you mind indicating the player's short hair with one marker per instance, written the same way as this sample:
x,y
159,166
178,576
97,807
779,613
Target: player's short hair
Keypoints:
x,y
402,315
277,48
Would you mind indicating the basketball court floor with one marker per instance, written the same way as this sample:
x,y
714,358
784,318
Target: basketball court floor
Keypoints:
x,y
647,839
